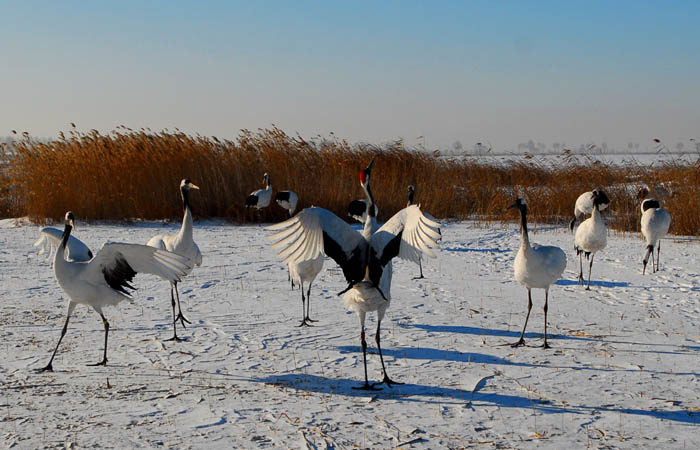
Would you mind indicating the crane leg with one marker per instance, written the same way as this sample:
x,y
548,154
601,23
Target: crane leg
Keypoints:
x,y
104,356
590,267
658,254
180,317
420,266
304,321
388,381
308,305
49,366
521,341
366,386
546,300
172,303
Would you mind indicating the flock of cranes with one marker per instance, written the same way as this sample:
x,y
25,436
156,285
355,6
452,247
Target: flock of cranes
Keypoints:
x,y
305,239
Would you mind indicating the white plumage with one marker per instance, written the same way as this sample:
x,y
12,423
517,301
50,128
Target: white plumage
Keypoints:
x,y
261,198
591,236
411,194
536,267
302,272
50,239
365,256
584,206
183,244
103,280
655,224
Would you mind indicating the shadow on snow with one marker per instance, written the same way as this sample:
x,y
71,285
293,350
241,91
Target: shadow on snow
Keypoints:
x,y
405,392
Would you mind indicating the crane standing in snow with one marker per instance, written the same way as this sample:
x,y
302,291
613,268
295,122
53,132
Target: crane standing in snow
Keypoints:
x,y
536,267
655,223
183,244
301,271
591,236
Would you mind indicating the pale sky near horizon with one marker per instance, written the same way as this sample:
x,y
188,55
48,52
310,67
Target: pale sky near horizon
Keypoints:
x,y
501,72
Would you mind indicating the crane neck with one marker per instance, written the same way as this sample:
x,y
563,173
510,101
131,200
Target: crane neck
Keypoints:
x,y
371,212
186,228
61,250
410,198
525,242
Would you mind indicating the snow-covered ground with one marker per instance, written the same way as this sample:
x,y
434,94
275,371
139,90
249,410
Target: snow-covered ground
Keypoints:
x,y
623,371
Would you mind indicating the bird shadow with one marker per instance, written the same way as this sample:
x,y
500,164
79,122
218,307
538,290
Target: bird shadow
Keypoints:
x,y
478,250
609,284
403,392
435,354
490,332
411,392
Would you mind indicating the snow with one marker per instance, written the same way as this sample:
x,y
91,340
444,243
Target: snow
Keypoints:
x,y
622,371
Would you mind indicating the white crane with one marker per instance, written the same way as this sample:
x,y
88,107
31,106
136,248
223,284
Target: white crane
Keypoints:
x,y
301,271
365,257
536,267
591,236
261,198
584,206
655,223
102,281
183,244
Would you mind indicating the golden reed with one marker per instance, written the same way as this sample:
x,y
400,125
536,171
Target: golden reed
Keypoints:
x,y
130,174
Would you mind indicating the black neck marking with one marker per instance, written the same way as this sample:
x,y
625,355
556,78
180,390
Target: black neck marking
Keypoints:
x,y
370,203
66,235
650,203
185,197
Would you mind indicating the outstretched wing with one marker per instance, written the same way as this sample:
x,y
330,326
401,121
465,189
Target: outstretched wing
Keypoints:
x,y
315,231
50,239
408,235
117,263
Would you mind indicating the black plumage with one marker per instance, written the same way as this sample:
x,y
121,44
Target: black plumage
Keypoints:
x,y
251,201
119,275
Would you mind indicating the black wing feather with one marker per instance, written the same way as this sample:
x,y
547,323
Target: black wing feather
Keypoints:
x,y
252,200
378,262
357,208
353,267
119,275
282,196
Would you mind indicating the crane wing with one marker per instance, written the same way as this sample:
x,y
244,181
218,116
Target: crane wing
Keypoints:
x,y
117,263
50,239
408,235
315,231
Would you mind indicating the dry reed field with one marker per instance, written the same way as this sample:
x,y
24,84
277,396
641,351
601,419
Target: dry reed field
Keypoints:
x,y
130,174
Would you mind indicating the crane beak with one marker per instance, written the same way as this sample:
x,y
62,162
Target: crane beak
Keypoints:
x,y
194,186
371,163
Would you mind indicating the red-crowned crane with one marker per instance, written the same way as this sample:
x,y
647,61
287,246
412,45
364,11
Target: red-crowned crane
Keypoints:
x,y
365,257
536,267
183,244
103,280
655,223
591,236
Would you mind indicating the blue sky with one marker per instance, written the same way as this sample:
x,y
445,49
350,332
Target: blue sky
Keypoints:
x,y
497,71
